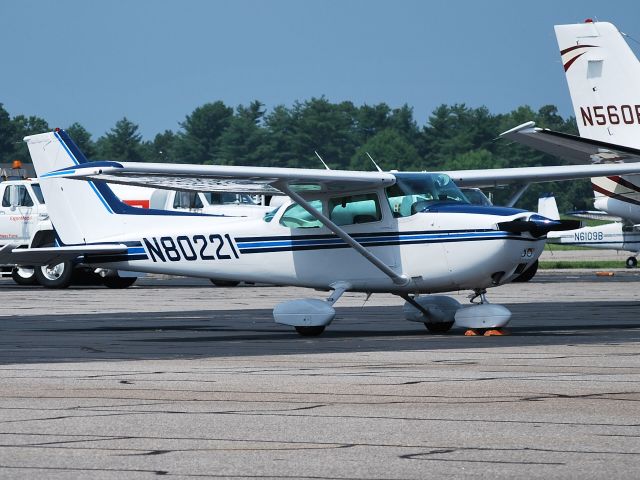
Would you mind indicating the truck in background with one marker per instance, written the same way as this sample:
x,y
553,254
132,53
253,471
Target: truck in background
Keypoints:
x,y
24,222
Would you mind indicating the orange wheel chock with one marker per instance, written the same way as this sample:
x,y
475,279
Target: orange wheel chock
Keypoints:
x,y
497,332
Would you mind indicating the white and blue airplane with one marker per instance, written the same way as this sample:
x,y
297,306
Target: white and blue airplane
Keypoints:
x,y
614,235
409,234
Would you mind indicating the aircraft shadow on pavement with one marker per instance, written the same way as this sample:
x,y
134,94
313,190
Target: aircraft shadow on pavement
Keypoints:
x,y
232,333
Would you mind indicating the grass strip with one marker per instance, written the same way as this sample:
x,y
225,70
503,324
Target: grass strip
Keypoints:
x,y
596,264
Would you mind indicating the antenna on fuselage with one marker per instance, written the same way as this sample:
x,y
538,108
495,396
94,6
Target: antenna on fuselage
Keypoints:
x,y
325,165
374,162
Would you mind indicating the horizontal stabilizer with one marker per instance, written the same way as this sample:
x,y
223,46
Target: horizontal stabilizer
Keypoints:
x,y
594,215
10,255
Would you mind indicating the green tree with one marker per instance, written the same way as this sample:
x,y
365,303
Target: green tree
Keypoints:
x,y
389,149
122,142
82,138
243,141
7,135
199,141
24,126
162,149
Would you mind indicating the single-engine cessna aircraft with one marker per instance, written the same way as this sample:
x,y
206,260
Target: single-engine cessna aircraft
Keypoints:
x,y
615,235
404,233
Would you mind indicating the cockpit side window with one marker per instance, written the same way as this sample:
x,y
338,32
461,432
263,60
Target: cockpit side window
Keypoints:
x,y
355,209
297,217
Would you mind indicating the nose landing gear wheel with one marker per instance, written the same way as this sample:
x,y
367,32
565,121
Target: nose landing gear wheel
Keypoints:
x,y
310,331
440,327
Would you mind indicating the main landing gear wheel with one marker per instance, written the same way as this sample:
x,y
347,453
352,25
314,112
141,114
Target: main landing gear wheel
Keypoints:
x,y
528,274
632,262
439,327
224,283
55,276
310,331
24,275
119,282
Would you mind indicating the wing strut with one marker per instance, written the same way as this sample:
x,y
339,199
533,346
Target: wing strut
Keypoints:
x,y
516,196
401,280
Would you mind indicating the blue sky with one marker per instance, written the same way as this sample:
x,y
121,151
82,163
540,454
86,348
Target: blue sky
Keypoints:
x,y
155,61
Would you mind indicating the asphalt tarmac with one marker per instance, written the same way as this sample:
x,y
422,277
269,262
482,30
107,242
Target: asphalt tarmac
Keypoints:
x,y
177,378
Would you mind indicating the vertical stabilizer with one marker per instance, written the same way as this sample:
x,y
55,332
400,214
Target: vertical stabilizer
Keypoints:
x,y
547,207
603,75
80,211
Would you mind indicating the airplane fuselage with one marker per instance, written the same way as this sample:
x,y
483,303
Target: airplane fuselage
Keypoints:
x,y
611,236
439,250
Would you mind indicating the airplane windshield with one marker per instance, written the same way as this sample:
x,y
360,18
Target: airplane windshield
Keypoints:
x,y
414,192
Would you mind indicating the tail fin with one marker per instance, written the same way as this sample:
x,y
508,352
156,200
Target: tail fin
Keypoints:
x,y
547,207
603,76
84,212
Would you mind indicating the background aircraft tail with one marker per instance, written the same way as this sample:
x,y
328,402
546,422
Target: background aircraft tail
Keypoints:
x,y
603,75
547,207
81,211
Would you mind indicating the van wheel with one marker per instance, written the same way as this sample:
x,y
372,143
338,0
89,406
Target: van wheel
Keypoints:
x,y
55,276
632,262
24,275
119,282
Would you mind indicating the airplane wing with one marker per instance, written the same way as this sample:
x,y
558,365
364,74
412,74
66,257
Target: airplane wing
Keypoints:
x,y
594,158
270,180
570,147
198,178
10,255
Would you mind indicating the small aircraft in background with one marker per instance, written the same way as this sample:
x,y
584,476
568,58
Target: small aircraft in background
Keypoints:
x,y
615,235
409,234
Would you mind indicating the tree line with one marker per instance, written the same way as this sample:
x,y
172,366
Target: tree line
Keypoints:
x,y
454,137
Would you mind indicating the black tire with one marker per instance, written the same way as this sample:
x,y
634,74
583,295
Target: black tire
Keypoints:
x,y
57,276
439,327
224,283
632,262
528,274
21,277
119,282
310,331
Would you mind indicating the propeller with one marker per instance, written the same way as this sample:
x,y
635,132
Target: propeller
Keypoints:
x,y
537,225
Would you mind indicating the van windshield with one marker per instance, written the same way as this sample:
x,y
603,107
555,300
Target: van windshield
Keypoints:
x,y
38,192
